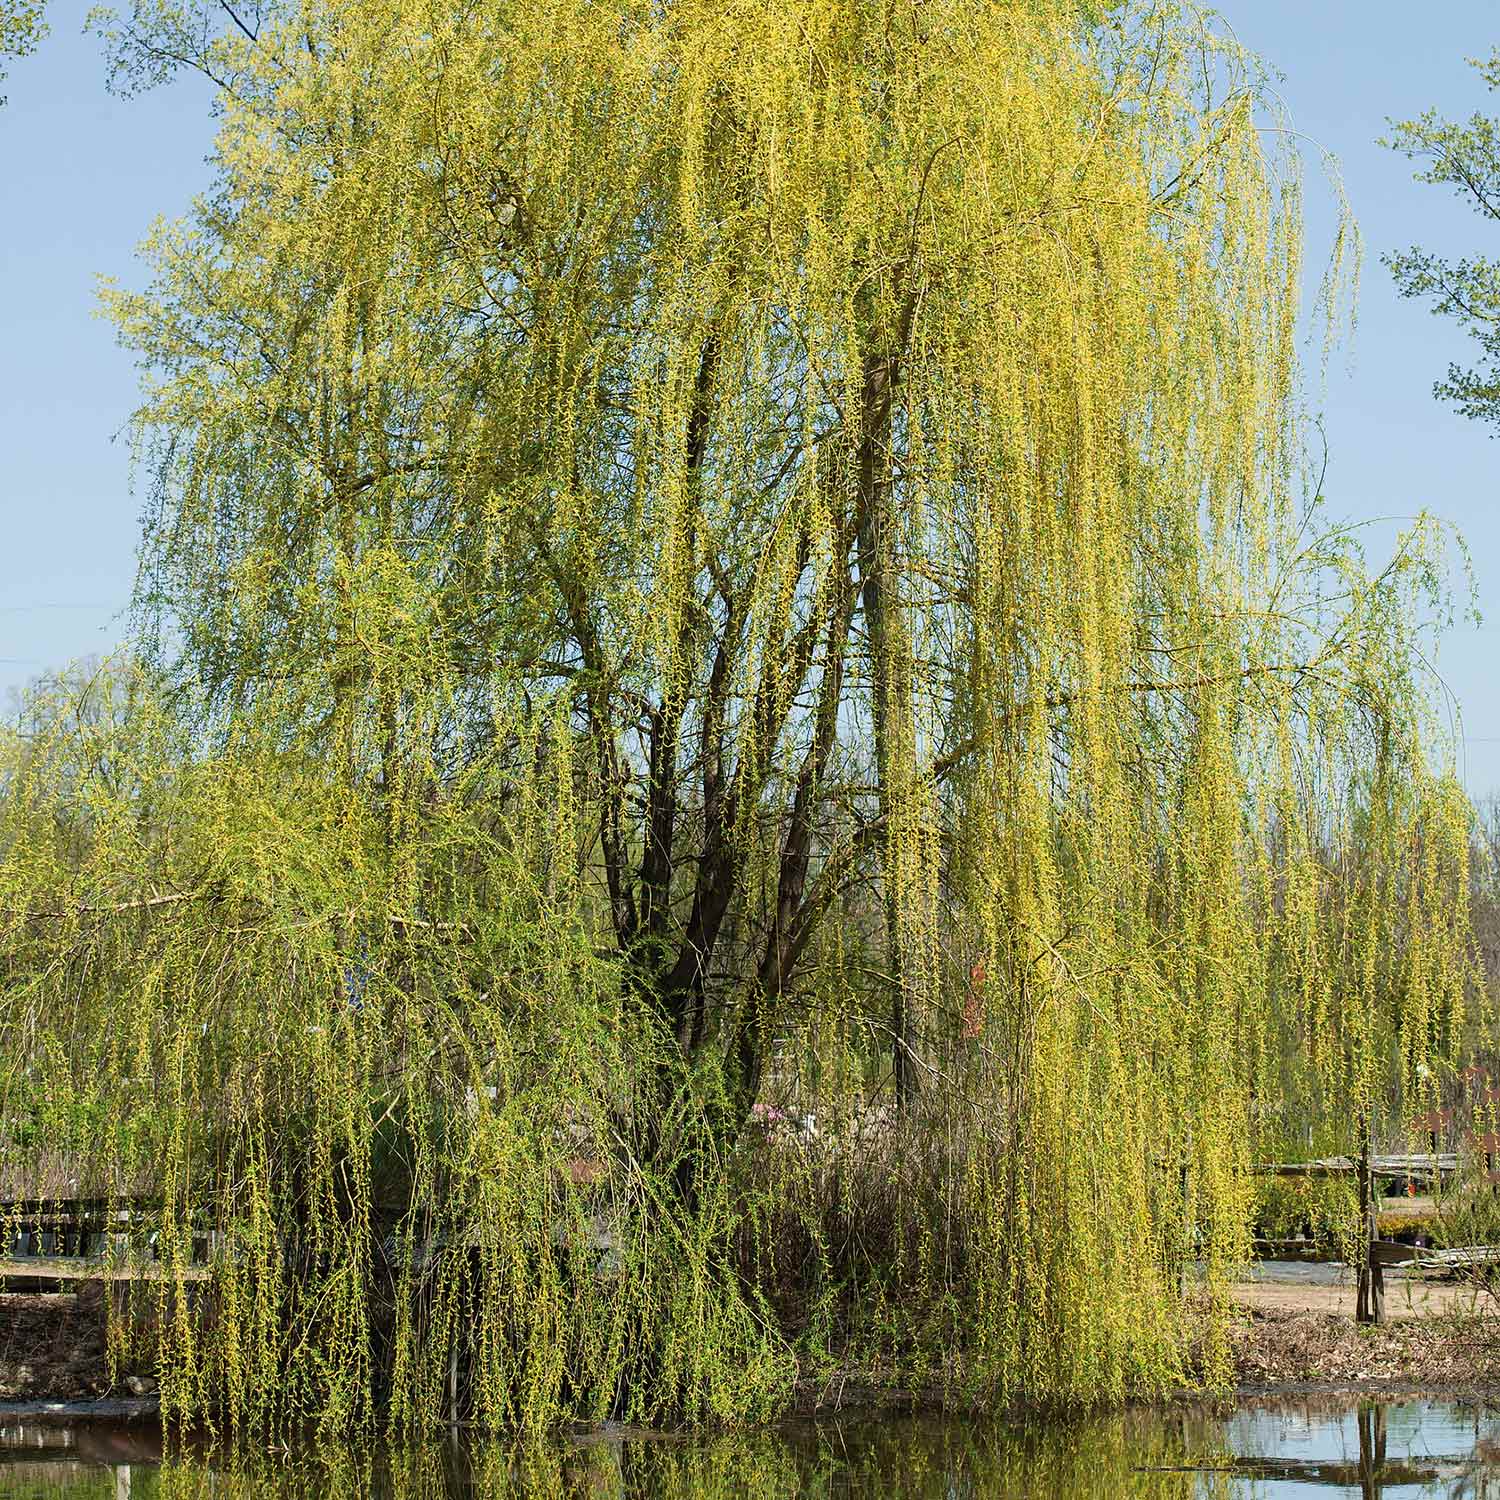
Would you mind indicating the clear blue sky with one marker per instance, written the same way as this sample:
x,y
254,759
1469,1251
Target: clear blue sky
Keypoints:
x,y
82,175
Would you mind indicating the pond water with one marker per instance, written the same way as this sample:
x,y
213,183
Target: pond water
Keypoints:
x,y
1276,1450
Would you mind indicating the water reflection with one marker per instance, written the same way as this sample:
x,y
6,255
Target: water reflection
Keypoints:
x,y
1409,1448
1275,1451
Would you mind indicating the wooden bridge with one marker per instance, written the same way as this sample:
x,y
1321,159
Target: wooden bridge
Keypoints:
x,y
1431,1167
68,1240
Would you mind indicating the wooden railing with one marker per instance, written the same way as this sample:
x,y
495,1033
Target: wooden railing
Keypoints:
x,y
89,1239
1369,1168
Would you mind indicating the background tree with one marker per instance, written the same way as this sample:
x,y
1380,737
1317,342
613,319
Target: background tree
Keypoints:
x,y
1464,156
21,28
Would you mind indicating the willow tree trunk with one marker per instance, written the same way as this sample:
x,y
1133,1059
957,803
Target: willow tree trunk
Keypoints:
x,y
889,645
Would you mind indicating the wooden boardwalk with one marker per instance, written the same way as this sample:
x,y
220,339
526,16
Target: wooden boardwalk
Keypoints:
x,y
72,1240
1369,1169
92,1268
1429,1165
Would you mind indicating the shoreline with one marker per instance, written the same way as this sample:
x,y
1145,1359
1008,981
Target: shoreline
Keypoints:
x,y
1278,1352
53,1367
1292,1349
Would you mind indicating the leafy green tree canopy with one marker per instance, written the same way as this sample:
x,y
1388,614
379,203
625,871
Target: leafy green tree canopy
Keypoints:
x,y
21,28
1464,156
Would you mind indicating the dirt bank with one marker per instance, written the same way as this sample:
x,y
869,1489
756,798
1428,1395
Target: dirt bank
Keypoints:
x,y
52,1345
1280,1349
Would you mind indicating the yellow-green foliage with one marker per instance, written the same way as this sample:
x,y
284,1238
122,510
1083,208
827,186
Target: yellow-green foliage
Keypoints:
x,y
1142,1454
699,555
21,27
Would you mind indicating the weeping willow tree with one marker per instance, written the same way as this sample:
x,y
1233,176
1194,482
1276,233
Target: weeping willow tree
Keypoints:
x,y
701,565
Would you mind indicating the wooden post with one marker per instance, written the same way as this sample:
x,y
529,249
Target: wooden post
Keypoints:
x,y
1369,1304
1362,1294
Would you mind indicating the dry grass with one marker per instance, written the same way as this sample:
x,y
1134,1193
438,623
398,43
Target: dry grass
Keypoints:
x,y
1280,1348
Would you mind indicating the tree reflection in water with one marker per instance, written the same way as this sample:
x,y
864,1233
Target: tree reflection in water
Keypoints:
x,y
1456,1475
1178,1454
